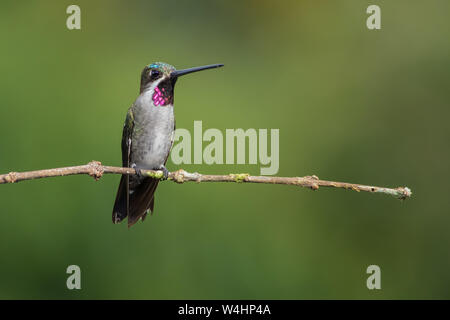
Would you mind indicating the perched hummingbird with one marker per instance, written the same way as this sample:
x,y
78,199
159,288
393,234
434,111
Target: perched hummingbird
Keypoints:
x,y
147,138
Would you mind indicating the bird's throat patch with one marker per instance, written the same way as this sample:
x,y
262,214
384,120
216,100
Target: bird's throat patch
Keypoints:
x,y
163,94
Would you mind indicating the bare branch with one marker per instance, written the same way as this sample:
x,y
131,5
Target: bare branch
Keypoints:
x,y
95,169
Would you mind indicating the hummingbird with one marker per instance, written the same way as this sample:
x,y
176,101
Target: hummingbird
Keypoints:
x,y
147,138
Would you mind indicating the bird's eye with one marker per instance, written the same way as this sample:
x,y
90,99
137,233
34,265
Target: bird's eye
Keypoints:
x,y
154,74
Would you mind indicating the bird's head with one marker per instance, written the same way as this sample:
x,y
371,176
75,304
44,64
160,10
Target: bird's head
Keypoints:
x,y
160,78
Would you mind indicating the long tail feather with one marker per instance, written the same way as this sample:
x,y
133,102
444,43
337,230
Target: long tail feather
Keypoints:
x,y
141,200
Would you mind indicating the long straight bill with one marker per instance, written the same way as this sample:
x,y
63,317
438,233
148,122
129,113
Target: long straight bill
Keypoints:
x,y
179,73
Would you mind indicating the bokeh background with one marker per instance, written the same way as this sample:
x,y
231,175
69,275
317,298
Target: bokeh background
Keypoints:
x,y
351,104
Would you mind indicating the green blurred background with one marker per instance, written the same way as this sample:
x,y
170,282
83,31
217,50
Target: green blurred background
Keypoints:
x,y
351,104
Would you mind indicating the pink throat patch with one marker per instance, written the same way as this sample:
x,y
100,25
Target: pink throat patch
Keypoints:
x,y
158,97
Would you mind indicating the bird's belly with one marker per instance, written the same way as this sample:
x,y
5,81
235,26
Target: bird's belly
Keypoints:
x,y
157,151
153,148
152,134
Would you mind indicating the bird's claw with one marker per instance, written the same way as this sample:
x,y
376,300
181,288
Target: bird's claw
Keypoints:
x,y
138,171
165,173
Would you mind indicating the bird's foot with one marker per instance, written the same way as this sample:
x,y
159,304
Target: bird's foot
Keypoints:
x,y
165,172
138,171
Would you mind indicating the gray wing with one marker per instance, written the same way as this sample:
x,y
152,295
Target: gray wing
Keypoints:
x,y
122,203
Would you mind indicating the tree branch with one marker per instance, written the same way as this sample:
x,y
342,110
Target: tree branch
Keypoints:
x,y
95,169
